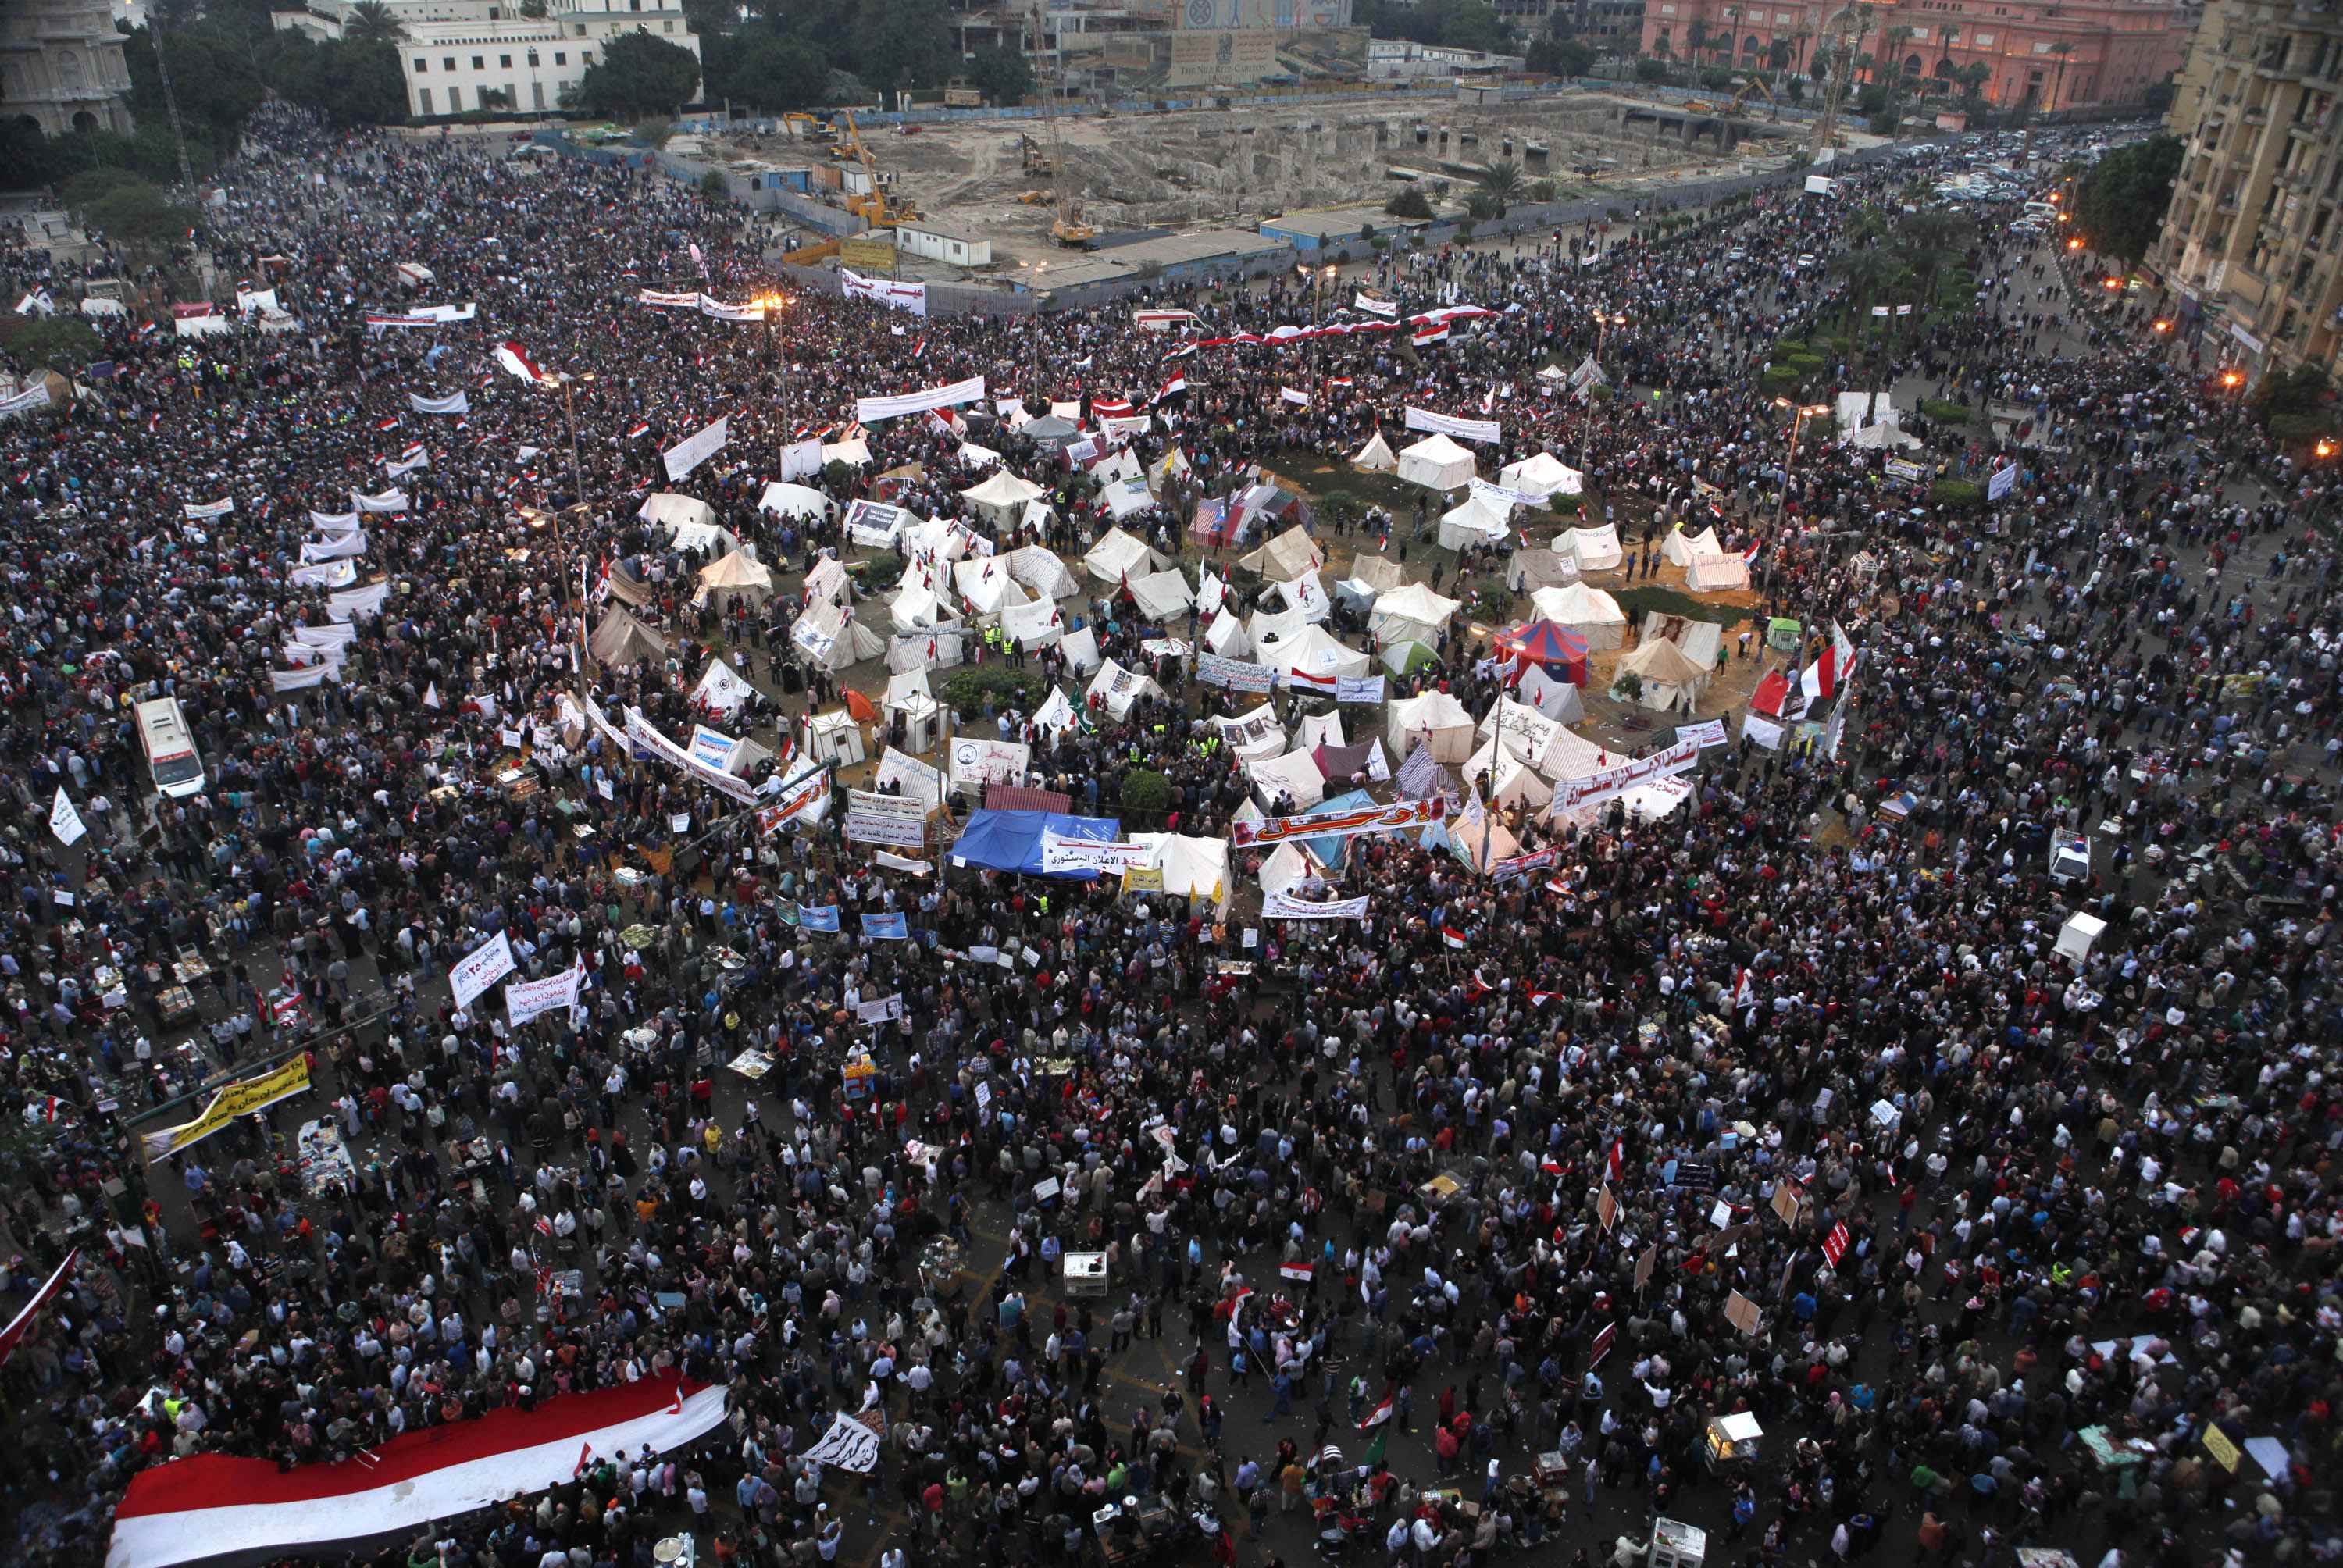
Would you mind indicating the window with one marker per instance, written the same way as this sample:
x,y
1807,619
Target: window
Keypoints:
x,y
586,56
666,26
449,64
455,100
537,93
479,63
422,66
423,93
504,62
560,58
1985,40
532,59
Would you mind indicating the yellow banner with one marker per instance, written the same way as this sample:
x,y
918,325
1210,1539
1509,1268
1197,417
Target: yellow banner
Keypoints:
x,y
1142,879
2217,1444
236,1099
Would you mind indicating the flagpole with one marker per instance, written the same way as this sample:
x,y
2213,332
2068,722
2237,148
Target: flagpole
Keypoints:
x,y
578,487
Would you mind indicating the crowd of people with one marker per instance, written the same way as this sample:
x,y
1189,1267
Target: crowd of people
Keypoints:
x,y
1484,1207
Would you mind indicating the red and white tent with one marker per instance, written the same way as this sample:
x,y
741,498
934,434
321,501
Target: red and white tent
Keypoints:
x,y
211,1505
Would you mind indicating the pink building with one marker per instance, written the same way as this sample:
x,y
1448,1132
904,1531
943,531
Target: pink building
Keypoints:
x,y
2113,50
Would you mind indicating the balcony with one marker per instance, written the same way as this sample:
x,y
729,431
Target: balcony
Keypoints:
x,y
2256,117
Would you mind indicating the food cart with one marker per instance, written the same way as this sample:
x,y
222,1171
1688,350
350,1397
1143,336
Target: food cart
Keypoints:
x,y
1675,1544
2045,1557
324,1158
1731,1443
1085,1274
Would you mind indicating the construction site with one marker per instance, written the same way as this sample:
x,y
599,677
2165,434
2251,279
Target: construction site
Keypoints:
x,y
1033,187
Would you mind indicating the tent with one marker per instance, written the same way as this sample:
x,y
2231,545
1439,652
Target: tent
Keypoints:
x,y
1313,652
1294,775
1174,462
1406,657
621,639
1350,764
1115,689
1474,521
626,588
1191,868
1542,645
1511,780
1039,568
1079,649
1330,851
1306,596
1286,868
1212,525
827,583
834,738
1161,595
854,452
1035,624
1127,497
1719,573
1702,641
917,608
1271,629
1544,475
1011,840
1290,555
828,637
1670,679
919,781
1557,700
1679,548
985,585
1482,846
736,576
1410,613
1123,465
978,457
940,649
793,501
1851,411
908,696
1882,435
1378,573
1051,432
1318,730
1437,720
1226,637
667,509
1375,456
1588,611
1436,463
937,539
1001,499
1117,555
1528,570
1253,735
721,691
1594,549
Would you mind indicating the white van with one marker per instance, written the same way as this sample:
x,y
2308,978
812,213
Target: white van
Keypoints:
x,y
171,758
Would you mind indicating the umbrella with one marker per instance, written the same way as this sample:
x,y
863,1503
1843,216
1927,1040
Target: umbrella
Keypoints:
x,y
1553,646
858,706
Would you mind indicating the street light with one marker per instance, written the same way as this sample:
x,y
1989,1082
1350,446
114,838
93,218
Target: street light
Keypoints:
x,y
768,307
1604,321
2159,324
1800,413
2232,379
2326,448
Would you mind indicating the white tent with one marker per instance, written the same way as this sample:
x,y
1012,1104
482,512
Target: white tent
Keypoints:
x,y
1306,595
827,583
1474,521
1670,680
721,689
1037,517
919,781
793,501
1376,574
1118,554
1269,630
940,649
1079,649
1410,613
834,738
1191,868
1679,548
1716,573
937,540
1435,718
1127,497
667,509
1465,842
1557,699
1314,652
1851,407
1290,555
1375,456
1226,637
917,608
1161,595
1039,568
827,637
1035,624
1288,866
1116,688
1318,730
1436,463
1544,475
1875,437
738,574
1594,549
1123,465
1292,774
1512,783
1001,499
985,586
1255,734
1588,611
908,698
976,457
854,452
1526,571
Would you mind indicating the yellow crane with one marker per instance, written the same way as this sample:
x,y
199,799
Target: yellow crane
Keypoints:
x,y
872,206
1067,228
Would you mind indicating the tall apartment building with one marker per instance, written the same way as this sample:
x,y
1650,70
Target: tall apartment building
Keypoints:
x,y
2251,242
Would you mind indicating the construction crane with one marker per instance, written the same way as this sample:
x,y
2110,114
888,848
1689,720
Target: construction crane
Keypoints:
x,y
1755,88
1068,227
872,206
1845,33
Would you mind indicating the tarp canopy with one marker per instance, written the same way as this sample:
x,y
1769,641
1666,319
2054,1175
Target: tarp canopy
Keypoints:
x,y
793,501
1293,775
1118,554
1679,547
621,639
1436,463
1474,522
1011,840
669,509
1161,595
985,585
1116,688
1304,595
625,588
1544,645
1375,456
1039,568
1594,549
1526,571
1588,611
854,452
721,689
1544,475
1001,498
1716,573
1288,555
1350,764
1435,718
1410,613
1191,868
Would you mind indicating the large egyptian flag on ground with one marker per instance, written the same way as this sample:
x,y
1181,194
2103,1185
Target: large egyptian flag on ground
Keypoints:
x,y
211,1507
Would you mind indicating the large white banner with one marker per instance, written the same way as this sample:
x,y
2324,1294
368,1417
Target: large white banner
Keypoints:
x,y
352,603
1386,308
848,1444
481,968
525,999
910,296
869,410
334,522
800,459
899,821
1060,853
204,511
341,546
1425,420
1503,497
693,450
1284,907
455,403
388,501
975,761
1600,786
1234,674
643,735
2002,482
36,395
64,821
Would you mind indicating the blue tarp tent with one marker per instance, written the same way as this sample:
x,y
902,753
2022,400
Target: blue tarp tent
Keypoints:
x,y
1011,840
1329,850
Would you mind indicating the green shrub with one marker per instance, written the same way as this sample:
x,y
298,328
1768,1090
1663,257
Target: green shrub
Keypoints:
x,y
1645,600
1807,364
1945,411
1628,688
1787,346
884,570
2301,427
1409,203
1144,790
1491,605
1779,379
969,689
1955,493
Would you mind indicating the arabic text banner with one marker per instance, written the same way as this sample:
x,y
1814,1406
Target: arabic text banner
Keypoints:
x,y
1393,818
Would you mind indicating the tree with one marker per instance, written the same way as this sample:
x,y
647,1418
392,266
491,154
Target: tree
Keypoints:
x,y
216,81
2295,403
2062,48
766,70
372,22
900,45
1650,70
1409,203
140,217
1973,77
2158,98
350,84
1503,182
53,341
2120,204
639,74
1554,56
1002,75
1927,242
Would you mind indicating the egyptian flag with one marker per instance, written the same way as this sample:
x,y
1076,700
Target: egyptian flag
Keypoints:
x,y
1776,698
212,1505
642,427
1300,1272
1175,387
1618,1162
1823,677
1383,543
513,360
1452,936
919,348
389,424
21,1324
1425,336
1324,684
1111,408
1377,1416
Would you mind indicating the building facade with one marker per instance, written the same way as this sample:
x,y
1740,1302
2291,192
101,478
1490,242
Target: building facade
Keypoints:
x,y
61,66
462,55
2251,243
2060,54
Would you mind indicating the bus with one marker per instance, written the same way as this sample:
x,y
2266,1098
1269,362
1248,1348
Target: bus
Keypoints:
x,y
171,757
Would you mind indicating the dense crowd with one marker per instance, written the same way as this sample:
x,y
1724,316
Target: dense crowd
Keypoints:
x,y
1505,1191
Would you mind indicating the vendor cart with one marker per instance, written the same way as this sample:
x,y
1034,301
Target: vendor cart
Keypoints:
x,y
1731,1443
1085,1274
1675,1544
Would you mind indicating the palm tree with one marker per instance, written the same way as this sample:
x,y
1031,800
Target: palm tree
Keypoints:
x,y
2061,49
1870,272
1696,43
1944,36
1974,76
371,22
1798,41
1503,181
1927,242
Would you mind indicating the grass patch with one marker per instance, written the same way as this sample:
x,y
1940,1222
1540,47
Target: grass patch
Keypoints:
x,y
1957,493
1657,598
1945,411
967,690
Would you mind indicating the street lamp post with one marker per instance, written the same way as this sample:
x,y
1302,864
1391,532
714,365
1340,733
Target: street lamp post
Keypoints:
x,y
577,486
1603,324
1799,414
769,306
